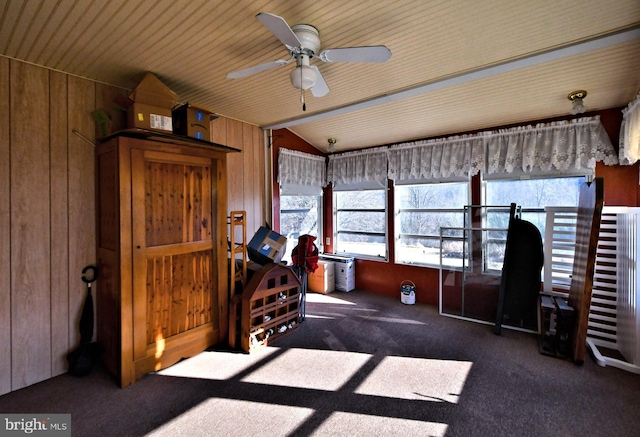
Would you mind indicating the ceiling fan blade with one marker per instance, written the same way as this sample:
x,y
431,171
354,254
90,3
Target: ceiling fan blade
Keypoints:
x,y
257,69
356,54
279,27
320,89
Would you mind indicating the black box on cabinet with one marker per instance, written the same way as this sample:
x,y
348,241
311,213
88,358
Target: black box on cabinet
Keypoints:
x,y
192,121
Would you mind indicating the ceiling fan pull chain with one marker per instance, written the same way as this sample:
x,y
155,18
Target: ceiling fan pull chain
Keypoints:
x,y
304,105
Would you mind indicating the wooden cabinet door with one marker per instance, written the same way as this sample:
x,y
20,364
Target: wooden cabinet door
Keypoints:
x,y
174,265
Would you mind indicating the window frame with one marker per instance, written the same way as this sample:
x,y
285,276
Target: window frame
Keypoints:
x,y
437,237
337,231
319,221
523,210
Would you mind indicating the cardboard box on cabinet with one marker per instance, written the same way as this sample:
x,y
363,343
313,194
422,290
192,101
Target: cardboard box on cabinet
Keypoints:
x,y
193,121
323,280
266,246
152,105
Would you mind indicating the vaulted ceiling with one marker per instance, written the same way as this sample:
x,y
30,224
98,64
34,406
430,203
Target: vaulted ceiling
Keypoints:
x,y
456,65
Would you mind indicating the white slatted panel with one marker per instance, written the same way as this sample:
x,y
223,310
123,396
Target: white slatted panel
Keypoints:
x,y
602,315
559,248
629,302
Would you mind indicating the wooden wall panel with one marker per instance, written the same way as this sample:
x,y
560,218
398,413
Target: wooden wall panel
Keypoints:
x,y
59,222
5,252
249,175
246,185
259,180
82,218
218,129
235,167
30,225
111,100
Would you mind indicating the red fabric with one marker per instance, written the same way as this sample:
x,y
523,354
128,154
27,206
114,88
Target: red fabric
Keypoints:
x,y
305,254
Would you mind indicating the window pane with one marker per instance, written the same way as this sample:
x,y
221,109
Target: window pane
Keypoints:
x,y
368,199
429,223
422,210
494,248
434,196
299,215
532,196
361,222
298,202
497,218
534,193
373,245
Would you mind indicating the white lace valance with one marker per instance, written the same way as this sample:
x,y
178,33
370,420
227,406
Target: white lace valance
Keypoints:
x,y
561,147
549,147
630,133
301,168
359,167
439,159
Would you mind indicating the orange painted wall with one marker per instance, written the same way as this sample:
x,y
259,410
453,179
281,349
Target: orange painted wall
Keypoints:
x,y
621,188
620,181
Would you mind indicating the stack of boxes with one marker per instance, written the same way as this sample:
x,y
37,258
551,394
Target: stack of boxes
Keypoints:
x,y
152,103
152,106
345,271
323,280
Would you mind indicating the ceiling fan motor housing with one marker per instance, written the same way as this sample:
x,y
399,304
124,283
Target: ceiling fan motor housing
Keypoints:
x,y
309,37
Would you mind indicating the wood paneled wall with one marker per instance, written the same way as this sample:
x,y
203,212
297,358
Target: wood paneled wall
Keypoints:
x,y
245,171
47,210
47,218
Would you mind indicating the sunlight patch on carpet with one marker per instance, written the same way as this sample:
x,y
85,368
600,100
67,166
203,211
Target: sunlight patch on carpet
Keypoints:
x,y
351,424
323,298
310,369
223,417
417,379
394,320
316,316
216,365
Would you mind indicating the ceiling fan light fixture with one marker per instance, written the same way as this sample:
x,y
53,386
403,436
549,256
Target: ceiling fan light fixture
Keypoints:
x,y
332,145
578,106
303,77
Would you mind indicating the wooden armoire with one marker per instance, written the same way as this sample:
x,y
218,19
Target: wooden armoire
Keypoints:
x,y
162,250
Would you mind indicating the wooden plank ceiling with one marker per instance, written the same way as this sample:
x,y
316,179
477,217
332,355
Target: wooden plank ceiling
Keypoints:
x,y
440,45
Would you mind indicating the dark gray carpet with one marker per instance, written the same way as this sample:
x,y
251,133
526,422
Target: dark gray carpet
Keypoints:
x,y
360,364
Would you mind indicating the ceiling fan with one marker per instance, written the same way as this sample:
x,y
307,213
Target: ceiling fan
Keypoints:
x,y
303,43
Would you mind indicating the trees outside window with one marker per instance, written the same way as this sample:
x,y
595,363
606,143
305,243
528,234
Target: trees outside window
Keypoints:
x,y
300,215
360,223
532,196
421,211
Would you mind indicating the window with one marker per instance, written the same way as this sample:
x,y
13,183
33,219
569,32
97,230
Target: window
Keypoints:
x,y
360,223
532,196
421,210
300,215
